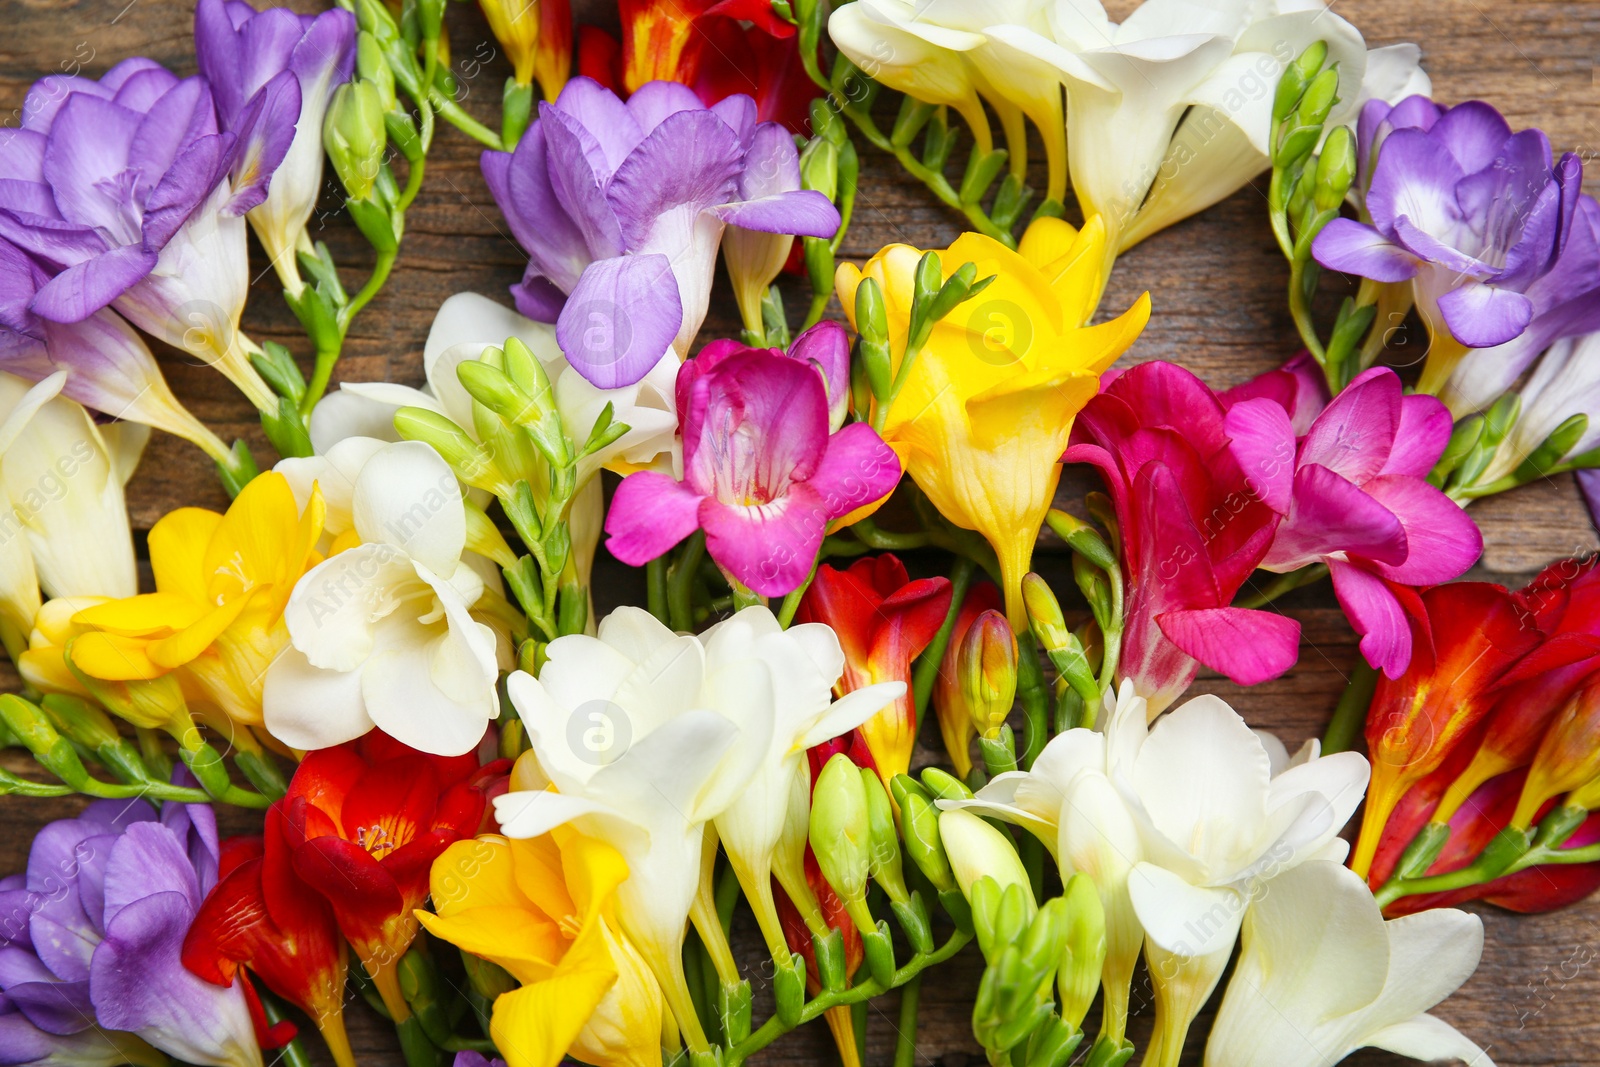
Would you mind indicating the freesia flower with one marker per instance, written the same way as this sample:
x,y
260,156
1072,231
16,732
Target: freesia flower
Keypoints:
x,y
1191,528
884,620
665,40
148,220
1472,215
61,479
1138,813
762,476
985,412
243,55
216,617
645,189
1298,387
955,719
537,38
759,60
1466,635
263,916
109,367
643,736
1166,113
543,909
806,660
92,941
381,633
364,823
1356,498
1322,974
956,52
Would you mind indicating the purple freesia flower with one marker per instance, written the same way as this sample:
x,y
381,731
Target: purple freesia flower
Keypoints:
x,y
109,367
761,473
621,208
89,954
292,63
119,189
1469,212
1357,499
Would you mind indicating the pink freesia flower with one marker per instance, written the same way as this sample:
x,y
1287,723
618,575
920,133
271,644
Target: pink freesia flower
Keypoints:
x,y
1192,528
1299,387
1356,498
761,473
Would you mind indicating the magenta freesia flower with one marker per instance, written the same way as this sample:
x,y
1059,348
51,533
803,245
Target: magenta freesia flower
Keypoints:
x,y
761,473
621,207
89,947
1356,498
1299,387
1192,529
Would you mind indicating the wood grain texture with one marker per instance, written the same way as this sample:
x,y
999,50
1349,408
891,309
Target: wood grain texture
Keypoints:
x,y
1217,282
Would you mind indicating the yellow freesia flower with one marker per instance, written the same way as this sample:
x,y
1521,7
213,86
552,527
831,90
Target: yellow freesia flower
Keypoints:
x,y
216,617
985,412
541,908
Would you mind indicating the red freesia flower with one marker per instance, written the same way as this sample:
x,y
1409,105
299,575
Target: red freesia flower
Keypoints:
x,y
364,823
1192,528
884,620
955,721
262,916
1465,637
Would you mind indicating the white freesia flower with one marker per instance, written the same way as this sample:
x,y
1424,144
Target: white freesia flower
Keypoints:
x,y
1322,974
61,479
951,52
642,747
1564,383
381,633
805,662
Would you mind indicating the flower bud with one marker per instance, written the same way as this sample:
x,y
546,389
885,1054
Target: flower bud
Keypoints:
x,y
944,785
1336,169
841,828
1319,98
1553,449
152,703
494,389
884,861
872,348
1568,758
515,24
1084,951
977,850
819,167
919,822
1082,538
470,460
986,672
371,66
1044,612
354,136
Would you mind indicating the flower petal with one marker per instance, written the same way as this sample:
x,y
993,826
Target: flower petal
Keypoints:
x,y
1262,440
1248,646
857,469
408,497
1356,248
650,513
1442,540
621,318
1376,616
1482,316
1184,919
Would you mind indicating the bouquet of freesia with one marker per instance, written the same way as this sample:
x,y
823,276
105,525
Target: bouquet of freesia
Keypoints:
x,y
520,831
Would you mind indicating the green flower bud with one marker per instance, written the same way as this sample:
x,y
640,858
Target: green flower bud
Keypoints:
x,y
154,703
1044,612
872,348
1319,98
977,850
841,828
354,136
495,390
1082,538
944,785
472,462
1336,169
986,672
1553,449
919,823
819,167
884,862
372,66
1308,63
1084,951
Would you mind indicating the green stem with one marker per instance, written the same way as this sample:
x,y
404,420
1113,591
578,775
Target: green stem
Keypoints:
x,y
927,670
867,532
791,603
1035,698
655,576
905,1042
680,583
1282,584
1351,715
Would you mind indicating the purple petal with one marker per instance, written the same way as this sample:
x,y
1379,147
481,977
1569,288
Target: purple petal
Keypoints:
x,y
1356,248
1330,515
520,184
1248,646
650,105
23,1043
22,155
1589,484
650,513
84,288
771,164
1355,433
768,547
57,243
621,318
193,176
1430,249
173,123
148,859
139,983
326,55
86,160
1443,541
195,826
826,346
1375,615
265,130
572,161
616,127
857,469
1473,133
803,213
1261,438
1416,178
56,1007
1482,316
740,113
1421,436
537,296
689,163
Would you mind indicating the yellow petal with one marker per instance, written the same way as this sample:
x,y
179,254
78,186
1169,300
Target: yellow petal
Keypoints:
x,y
1046,240
517,939
53,624
192,640
541,876
113,657
475,873
257,534
594,869
150,614
535,1026
178,549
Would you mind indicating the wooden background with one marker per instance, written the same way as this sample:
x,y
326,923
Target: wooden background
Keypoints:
x,y
1217,283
